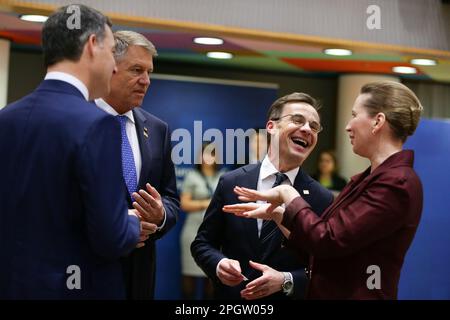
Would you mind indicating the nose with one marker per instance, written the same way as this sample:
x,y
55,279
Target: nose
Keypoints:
x,y
306,127
115,69
347,127
145,79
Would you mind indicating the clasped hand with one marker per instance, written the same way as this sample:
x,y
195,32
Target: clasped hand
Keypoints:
x,y
150,211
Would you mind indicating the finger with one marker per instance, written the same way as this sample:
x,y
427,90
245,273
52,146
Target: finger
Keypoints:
x,y
257,283
246,199
153,192
271,208
140,245
143,213
149,226
258,266
141,201
148,198
143,237
231,277
249,296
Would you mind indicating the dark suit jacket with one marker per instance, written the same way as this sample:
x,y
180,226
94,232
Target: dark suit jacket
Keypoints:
x,y
372,222
158,170
61,198
225,235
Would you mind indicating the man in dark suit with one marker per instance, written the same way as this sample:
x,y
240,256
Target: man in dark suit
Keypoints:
x,y
228,247
148,164
63,221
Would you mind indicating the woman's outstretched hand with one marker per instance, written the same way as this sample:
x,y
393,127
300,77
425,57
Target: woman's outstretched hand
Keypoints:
x,y
255,210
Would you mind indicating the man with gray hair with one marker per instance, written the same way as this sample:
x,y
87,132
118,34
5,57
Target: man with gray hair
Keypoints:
x,y
146,157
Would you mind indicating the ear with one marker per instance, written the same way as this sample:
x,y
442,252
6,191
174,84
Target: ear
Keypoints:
x,y
91,45
271,126
379,121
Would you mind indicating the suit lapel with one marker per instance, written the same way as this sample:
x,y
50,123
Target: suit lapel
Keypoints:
x,y
144,136
348,191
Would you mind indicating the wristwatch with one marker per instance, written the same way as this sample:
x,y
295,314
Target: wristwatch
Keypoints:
x,y
288,283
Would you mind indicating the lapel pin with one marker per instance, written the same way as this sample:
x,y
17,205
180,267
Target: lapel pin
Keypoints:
x,y
145,132
305,191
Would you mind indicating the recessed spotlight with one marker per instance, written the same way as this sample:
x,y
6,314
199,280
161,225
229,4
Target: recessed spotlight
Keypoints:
x,y
424,62
219,55
208,41
338,52
33,18
404,70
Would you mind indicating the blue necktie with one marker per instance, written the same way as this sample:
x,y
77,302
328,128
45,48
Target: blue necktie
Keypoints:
x,y
128,166
269,227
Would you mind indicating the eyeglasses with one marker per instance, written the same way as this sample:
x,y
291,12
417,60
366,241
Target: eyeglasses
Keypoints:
x,y
300,120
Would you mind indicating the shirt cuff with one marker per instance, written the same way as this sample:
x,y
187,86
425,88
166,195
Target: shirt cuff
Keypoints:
x,y
164,221
217,267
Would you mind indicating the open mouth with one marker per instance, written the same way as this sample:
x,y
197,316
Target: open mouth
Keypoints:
x,y
300,142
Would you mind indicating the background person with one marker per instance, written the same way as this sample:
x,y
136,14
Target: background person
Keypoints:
x,y
197,190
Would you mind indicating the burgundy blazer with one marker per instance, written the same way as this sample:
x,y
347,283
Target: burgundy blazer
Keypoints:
x,y
372,222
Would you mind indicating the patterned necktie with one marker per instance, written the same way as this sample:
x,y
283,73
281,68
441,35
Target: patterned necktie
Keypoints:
x,y
128,166
269,227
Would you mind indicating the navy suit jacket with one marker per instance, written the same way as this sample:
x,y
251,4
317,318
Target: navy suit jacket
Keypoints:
x,y
158,170
225,235
61,198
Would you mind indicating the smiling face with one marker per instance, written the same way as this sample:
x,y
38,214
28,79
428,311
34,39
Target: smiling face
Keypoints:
x,y
132,79
360,128
290,143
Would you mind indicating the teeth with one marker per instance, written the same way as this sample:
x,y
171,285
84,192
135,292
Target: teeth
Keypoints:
x,y
300,141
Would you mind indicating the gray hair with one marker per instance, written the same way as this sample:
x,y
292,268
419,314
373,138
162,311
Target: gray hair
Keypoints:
x,y
125,38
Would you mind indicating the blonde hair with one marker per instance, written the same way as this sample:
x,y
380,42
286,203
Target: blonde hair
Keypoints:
x,y
126,38
399,104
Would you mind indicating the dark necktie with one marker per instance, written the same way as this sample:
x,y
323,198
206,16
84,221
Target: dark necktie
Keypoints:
x,y
269,227
128,165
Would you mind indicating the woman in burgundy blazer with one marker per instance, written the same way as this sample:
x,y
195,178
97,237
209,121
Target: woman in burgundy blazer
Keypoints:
x,y
358,245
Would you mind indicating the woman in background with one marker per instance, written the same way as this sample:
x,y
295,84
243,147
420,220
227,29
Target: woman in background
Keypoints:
x,y
327,174
197,190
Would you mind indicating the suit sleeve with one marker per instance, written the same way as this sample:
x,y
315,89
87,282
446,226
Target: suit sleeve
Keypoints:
x,y
111,231
168,189
206,247
378,212
321,200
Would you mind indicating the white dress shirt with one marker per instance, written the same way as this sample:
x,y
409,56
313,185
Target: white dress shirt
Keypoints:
x,y
267,178
131,133
133,140
62,76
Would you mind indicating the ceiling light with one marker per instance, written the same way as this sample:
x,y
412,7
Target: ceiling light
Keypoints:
x,y
208,41
219,55
404,70
424,62
338,52
34,18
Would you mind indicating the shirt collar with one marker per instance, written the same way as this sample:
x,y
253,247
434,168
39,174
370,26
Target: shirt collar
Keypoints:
x,y
268,169
62,76
102,104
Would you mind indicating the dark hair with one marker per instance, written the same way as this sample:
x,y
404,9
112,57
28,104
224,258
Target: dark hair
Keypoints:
x,y
59,42
333,157
399,104
276,109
